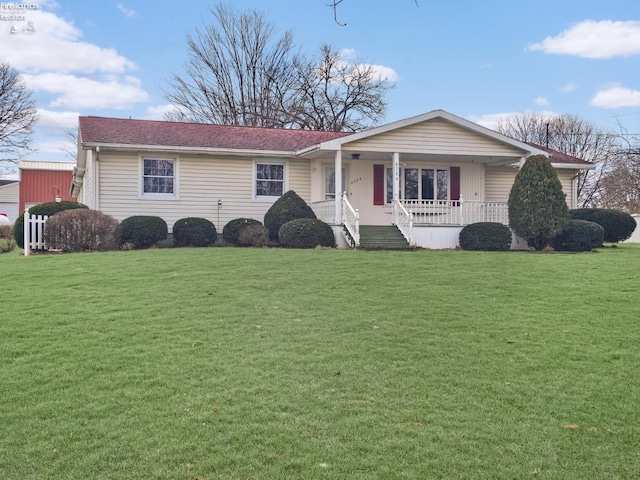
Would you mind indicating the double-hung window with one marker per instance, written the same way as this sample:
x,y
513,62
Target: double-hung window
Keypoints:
x,y
269,180
159,177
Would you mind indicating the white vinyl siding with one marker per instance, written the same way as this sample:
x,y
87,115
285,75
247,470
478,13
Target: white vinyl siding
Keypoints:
x,y
500,180
203,181
435,137
87,193
498,183
9,195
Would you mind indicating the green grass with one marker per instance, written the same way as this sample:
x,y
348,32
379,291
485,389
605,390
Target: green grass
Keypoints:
x,y
227,363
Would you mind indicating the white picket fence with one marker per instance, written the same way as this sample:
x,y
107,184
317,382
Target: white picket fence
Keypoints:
x,y
34,232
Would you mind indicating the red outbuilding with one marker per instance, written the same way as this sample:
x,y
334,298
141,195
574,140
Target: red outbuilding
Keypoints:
x,y
44,182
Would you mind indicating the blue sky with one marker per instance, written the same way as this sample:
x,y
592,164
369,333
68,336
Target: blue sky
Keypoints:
x,y
479,60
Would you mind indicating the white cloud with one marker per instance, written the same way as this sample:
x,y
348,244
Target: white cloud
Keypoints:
x,y
595,39
79,92
569,87
56,45
157,112
616,97
491,120
126,11
380,72
57,120
542,101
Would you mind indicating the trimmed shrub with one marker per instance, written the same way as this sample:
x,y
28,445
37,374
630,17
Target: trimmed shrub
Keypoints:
x,y
82,230
537,207
49,209
618,226
194,232
7,245
6,231
231,231
578,236
253,236
142,231
289,206
306,233
490,236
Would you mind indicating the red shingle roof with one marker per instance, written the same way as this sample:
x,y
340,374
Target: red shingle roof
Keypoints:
x,y
559,157
117,131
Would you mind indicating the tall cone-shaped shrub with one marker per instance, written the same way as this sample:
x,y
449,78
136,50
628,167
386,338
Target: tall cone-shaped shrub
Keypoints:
x,y
537,206
289,206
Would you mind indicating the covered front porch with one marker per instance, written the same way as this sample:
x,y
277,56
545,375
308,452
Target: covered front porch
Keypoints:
x,y
423,223
429,176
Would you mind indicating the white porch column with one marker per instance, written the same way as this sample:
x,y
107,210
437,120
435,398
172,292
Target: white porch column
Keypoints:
x,y
338,186
396,176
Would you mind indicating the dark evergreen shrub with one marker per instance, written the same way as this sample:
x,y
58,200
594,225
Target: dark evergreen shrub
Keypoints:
x,y
194,232
82,230
618,226
578,236
289,206
537,206
253,236
306,233
142,231
231,230
490,236
48,208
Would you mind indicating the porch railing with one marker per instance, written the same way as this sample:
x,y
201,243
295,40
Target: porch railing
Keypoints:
x,y
351,220
455,212
325,210
403,219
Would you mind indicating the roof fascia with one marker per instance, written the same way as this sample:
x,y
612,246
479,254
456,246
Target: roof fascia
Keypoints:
x,y
573,166
192,150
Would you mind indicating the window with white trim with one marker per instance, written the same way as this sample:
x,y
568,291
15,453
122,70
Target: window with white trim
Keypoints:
x,y
330,181
420,184
269,179
159,177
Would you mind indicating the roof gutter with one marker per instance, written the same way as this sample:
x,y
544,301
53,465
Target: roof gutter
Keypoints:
x,y
193,150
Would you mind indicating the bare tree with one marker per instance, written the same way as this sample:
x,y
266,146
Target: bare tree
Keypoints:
x,y
17,116
335,95
620,188
70,147
571,135
237,72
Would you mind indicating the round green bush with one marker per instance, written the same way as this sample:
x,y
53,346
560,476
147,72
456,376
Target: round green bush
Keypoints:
x,y
82,230
578,236
142,231
618,226
231,231
490,236
48,208
306,233
194,232
289,206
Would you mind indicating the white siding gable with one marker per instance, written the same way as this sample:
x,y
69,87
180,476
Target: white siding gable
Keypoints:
x,y
436,136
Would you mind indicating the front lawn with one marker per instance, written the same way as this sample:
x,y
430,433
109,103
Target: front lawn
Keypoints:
x,y
230,363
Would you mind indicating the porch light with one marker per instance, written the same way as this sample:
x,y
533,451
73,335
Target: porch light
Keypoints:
x,y
355,156
57,197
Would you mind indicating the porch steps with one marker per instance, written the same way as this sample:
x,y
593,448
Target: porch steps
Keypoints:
x,y
386,237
